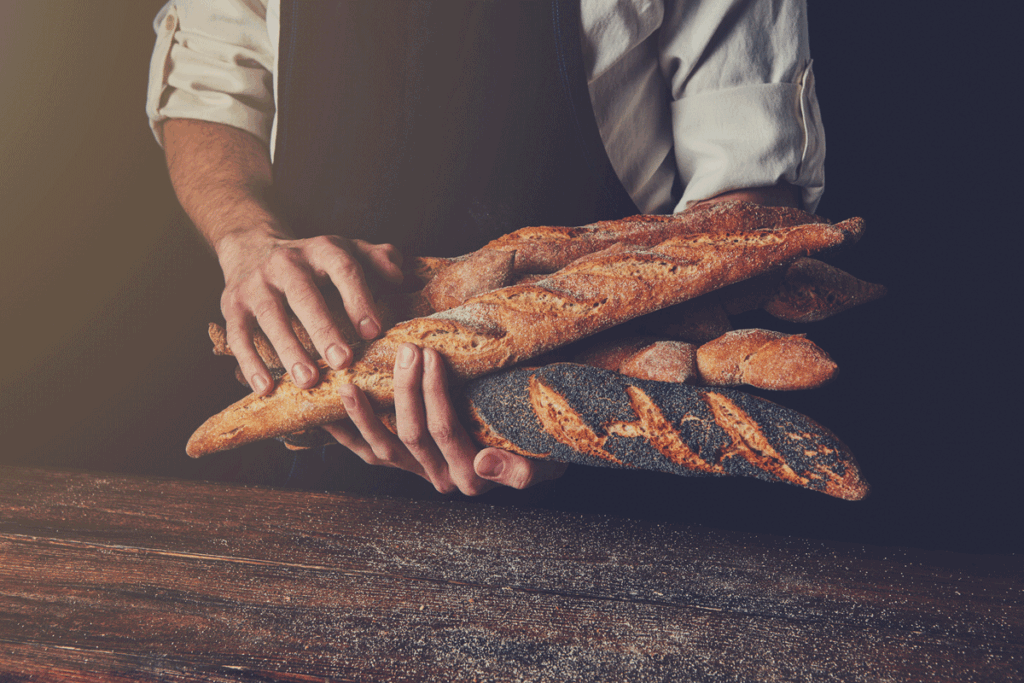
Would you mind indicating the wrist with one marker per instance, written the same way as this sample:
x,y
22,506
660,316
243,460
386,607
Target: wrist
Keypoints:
x,y
240,245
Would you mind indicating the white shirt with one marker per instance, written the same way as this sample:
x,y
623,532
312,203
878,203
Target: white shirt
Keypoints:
x,y
720,92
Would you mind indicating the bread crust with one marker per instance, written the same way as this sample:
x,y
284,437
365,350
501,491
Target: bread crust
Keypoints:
x,y
507,326
581,414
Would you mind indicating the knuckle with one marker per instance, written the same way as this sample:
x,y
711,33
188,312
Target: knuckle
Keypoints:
x,y
444,433
445,487
474,487
231,303
388,250
321,330
415,440
388,454
304,293
266,309
328,242
518,475
348,268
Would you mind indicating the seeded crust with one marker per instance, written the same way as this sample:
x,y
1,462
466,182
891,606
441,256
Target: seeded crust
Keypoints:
x,y
507,326
580,414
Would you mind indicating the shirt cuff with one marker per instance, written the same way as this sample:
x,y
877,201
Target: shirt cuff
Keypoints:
x,y
750,136
192,77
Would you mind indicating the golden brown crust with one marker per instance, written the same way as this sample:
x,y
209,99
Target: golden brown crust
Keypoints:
x,y
507,326
720,361
475,274
813,290
790,363
764,359
663,361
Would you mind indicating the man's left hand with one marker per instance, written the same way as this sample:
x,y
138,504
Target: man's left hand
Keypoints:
x,y
431,442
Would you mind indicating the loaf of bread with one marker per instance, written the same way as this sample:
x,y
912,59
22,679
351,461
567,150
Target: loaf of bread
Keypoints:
x,y
580,414
584,415
812,290
507,326
546,249
764,359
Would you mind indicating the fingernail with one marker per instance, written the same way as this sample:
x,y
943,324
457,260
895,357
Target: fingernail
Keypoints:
x,y
405,357
260,383
368,328
489,466
336,356
301,374
345,391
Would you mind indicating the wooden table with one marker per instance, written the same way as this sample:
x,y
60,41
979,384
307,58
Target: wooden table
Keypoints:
x,y
130,579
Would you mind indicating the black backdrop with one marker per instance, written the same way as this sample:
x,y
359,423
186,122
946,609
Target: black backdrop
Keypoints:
x,y
106,293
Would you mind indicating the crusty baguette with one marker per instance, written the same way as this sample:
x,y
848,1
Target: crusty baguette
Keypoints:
x,y
507,326
465,278
764,359
546,249
812,290
575,413
643,357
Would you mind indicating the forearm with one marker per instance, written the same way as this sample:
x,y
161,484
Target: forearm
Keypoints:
x,y
222,177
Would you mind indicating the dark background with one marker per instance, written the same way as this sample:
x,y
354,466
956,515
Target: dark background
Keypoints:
x,y
105,292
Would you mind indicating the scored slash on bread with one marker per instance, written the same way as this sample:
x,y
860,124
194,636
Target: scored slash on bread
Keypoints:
x,y
622,270
581,414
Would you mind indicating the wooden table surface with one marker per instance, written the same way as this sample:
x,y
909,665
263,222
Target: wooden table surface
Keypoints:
x,y
113,578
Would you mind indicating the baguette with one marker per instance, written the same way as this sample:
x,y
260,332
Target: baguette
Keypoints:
x,y
812,290
579,414
764,359
504,327
546,249
585,415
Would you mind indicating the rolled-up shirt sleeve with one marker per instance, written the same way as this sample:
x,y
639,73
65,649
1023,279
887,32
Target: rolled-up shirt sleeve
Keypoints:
x,y
213,60
744,112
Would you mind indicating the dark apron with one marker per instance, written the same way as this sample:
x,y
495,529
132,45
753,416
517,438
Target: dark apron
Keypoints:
x,y
434,126
437,126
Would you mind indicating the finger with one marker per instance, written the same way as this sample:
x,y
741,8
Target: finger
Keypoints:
x,y
445,429
370,440
386,259
509,469
307,302
344,271
348,435
273,319
239,332
412,420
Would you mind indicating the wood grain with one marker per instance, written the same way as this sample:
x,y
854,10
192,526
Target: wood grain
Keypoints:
x,y
125,579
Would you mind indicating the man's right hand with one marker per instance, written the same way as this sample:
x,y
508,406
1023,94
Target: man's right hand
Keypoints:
x,y
222,176
265,276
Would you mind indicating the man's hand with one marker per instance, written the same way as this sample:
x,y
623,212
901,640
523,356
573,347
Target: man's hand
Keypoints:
x,y
430,441
222,177
266,276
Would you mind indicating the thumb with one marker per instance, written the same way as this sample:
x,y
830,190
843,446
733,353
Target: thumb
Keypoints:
x,y
509,469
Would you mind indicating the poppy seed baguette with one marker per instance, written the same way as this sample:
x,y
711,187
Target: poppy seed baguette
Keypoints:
x,y
581,414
